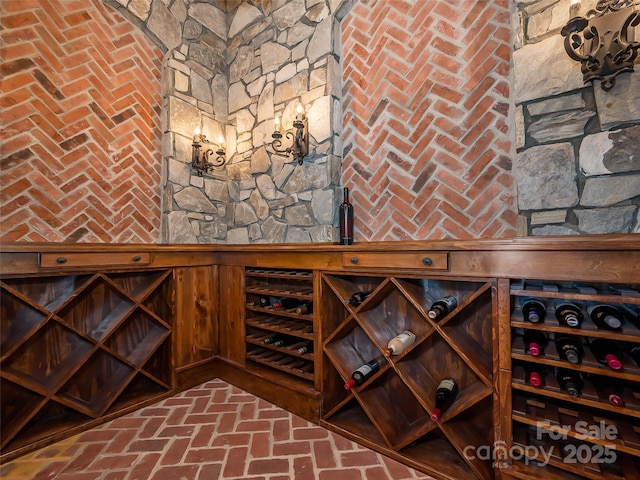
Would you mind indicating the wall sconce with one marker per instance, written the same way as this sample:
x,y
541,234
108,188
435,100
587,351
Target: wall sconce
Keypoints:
x,y
601,41
299,136
200,159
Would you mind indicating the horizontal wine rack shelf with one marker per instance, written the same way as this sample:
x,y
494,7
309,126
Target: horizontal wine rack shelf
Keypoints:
x,y
546,417
263,320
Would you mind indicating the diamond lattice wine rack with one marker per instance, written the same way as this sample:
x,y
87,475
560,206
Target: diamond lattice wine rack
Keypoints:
x,y
391,410
78,347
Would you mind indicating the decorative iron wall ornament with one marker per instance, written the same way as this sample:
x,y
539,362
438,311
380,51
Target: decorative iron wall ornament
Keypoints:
x,y
200,159
299,136
603,40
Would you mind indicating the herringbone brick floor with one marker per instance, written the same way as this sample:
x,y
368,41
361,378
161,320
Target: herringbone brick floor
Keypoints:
x,y
213,431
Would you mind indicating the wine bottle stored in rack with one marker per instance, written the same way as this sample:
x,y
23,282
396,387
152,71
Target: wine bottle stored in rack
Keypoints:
x,y
533,310
363,373
535,342
445,395
568,314
569,349
399,344
570,381
606,317
606,352
442,307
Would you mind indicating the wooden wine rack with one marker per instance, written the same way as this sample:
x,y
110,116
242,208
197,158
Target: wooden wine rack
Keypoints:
x,y
78,347
548,418
391,411
262,322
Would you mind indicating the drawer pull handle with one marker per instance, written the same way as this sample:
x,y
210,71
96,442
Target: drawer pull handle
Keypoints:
x,y
354,260
427,261
137,258
61,260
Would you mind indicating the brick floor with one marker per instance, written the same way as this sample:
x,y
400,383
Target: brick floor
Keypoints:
x,y
213,431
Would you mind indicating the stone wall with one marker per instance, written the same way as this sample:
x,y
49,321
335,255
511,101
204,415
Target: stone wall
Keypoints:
x,y
230,68
578,162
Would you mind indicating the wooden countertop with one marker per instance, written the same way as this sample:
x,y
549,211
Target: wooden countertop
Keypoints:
x,y
564,242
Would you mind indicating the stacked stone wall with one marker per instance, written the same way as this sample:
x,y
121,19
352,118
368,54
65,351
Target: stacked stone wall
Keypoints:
x,y
578,162
231,68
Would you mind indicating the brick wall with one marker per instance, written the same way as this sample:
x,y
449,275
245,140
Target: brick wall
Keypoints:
x,y
80,113
427,135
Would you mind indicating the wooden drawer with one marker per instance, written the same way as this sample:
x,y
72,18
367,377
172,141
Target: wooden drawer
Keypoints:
x,y
421,260
75,260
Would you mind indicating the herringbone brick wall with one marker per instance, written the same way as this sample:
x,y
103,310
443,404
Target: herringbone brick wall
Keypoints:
x,y
425,119
80,124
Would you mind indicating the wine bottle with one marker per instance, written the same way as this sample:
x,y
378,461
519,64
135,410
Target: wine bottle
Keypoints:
x,y
280,341
570,381
569,349
535,375
307,348
264,302
363,373
283,303
346,219
304,308
442,307
399,344
272,339
445,395
568,314
535,342
606,352
533,310
606,317
357,298
609,388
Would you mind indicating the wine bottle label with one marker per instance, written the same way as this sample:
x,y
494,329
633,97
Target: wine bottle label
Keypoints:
x,y
364,370
447,384
405,337
442,307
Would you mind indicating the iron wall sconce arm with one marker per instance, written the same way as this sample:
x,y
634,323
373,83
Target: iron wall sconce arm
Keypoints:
x,y
600,41
200,158
299,136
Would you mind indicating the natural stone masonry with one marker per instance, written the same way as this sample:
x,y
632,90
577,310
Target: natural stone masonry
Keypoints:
x,y
230,69
578,161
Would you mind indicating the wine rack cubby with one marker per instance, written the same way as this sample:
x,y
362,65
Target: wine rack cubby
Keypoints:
x,y
77,347
596,433
266,319
391,410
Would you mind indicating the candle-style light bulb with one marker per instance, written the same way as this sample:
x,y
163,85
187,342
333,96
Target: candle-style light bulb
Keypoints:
x,y
221,140
196,137
574,8
277,123
299,108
